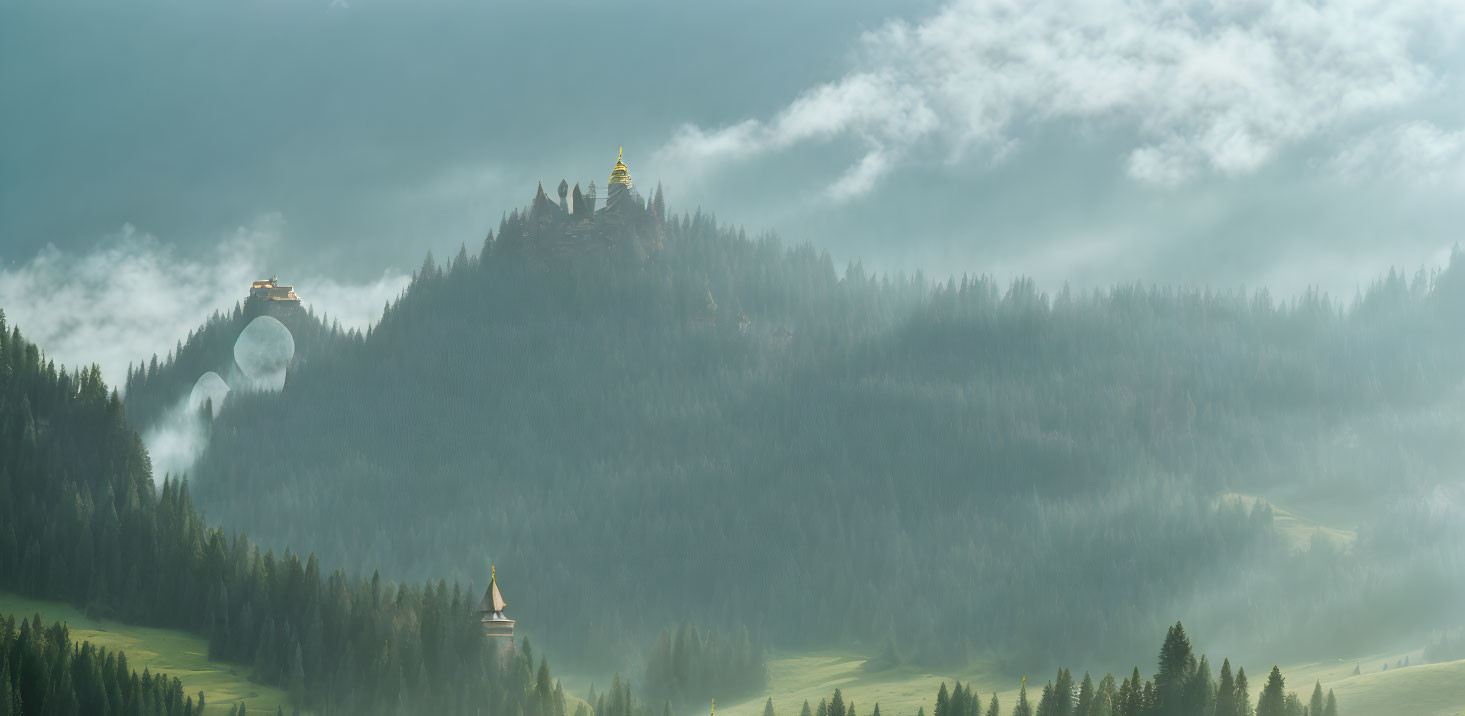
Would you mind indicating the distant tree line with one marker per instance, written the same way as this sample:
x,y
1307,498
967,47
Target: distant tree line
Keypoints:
x,y
692,667
1445,647
1182,686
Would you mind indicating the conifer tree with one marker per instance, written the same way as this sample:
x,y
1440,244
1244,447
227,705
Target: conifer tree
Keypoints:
x,y
1177,665
1022,708
1135,705
836,704
1063,693
1048,702
1315,704
1226,692
1243,693
767,707
1201,690
1292,705
1107,690
1085,705
1331,707
7,700
994,708
1273,699
805,711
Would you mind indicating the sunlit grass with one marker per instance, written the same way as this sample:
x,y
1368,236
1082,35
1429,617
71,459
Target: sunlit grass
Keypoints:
x,y
175,653
1424,690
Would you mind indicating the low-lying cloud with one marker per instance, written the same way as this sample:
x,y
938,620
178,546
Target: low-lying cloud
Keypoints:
x,y
134,296
1196,87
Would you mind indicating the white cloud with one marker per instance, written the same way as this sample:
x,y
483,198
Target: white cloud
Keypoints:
x,y
1200,86
134,296
1413,152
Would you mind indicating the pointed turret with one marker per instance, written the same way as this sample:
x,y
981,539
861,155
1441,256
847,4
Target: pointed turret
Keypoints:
x,y
491,611
578,207
618,189
620,174
543,209
492,601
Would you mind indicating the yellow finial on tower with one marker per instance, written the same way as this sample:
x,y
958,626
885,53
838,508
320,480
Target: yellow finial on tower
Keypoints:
x,y
620,174
714,708
492,572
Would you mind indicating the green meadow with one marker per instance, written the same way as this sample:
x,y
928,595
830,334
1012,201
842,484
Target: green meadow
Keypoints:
x,y
1422,690
174,653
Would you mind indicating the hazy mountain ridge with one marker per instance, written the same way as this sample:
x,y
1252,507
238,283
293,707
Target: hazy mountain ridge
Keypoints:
x,y
862,457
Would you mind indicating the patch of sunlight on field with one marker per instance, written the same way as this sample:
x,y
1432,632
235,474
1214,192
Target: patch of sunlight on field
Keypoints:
x,y
1421,690
1297,529
900,691
1415,690
175,653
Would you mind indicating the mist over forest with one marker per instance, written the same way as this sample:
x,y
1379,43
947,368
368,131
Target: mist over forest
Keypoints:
x,y
735,432
933,358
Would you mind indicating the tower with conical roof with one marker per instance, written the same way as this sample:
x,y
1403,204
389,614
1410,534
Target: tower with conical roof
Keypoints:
x,y
496,626
618,188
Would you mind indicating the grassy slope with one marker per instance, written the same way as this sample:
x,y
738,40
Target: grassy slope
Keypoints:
x,y
1428,690
175,653
1423,690
900,691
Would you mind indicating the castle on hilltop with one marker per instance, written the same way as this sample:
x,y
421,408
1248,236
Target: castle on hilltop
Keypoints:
x,y
270,290
628,226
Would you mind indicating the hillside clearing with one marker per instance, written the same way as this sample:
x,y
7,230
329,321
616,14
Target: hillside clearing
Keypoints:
x,y
175,653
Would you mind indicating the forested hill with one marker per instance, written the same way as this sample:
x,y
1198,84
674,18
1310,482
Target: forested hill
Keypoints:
x,y
735,431
81,521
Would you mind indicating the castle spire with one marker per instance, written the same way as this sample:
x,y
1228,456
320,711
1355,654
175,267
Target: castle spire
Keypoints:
x,y
491,610
620,174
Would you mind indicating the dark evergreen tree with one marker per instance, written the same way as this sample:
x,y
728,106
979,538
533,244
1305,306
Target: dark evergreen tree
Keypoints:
x,y
1177,667
1200,690
1086,696
1226,699
1272,701
1048,702
1243,693
1063,695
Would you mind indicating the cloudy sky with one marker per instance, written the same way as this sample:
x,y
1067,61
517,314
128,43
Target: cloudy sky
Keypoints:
x,y
1229,144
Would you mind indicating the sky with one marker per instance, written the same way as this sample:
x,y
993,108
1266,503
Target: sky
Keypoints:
x,y
188,147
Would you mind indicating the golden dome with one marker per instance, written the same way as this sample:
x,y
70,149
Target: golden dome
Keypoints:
x,y
620,175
